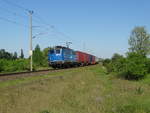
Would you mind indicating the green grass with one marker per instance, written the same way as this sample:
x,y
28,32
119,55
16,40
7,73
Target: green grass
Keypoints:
x,y
24,80
81,90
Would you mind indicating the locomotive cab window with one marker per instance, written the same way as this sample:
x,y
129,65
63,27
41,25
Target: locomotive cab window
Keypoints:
x,y
51,51
58,51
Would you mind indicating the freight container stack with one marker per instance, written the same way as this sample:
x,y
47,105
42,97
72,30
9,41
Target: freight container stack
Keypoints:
x,y
84,58
80,57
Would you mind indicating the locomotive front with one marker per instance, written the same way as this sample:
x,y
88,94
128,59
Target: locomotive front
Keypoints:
x,y
55,57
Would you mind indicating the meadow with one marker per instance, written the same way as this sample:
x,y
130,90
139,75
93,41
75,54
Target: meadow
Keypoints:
x,y
80,90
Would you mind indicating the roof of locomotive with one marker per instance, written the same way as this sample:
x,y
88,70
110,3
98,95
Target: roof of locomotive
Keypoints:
x,y
62,47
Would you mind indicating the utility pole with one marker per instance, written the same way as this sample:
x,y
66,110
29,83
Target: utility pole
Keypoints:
x,y
68,44
30,51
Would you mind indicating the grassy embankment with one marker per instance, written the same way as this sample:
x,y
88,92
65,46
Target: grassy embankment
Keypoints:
x,y
81,90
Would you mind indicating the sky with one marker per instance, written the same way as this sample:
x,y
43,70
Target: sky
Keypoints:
x,y
99,27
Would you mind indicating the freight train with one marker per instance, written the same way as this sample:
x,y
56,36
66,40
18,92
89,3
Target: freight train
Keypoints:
x,y
63,57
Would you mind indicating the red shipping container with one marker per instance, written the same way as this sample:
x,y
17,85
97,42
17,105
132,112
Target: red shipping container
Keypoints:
x,y
93,60
82,57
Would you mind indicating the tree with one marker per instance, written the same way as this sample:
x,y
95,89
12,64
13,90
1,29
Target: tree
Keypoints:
x,y
38,56
45,51
116,56
5,55
22,54
45,55
139,41
15,55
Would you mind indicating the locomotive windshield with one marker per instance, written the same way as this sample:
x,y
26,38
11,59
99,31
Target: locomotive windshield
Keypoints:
x,y
51,51
57,51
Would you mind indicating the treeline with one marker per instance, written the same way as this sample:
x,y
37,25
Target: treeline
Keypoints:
x,y
10,56
135,64
11,62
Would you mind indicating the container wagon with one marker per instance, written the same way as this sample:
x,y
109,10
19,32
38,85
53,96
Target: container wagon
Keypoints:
x,y
84,58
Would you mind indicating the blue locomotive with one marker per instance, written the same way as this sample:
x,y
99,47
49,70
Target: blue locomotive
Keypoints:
x,y
62,57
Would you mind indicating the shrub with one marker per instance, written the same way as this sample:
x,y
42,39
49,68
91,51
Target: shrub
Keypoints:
x,y
107,64
14,65
135,66
109,67
1,65
21,64
118,63
106,61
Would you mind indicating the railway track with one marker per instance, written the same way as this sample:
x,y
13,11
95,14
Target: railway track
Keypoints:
x,y
11,76
27,72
